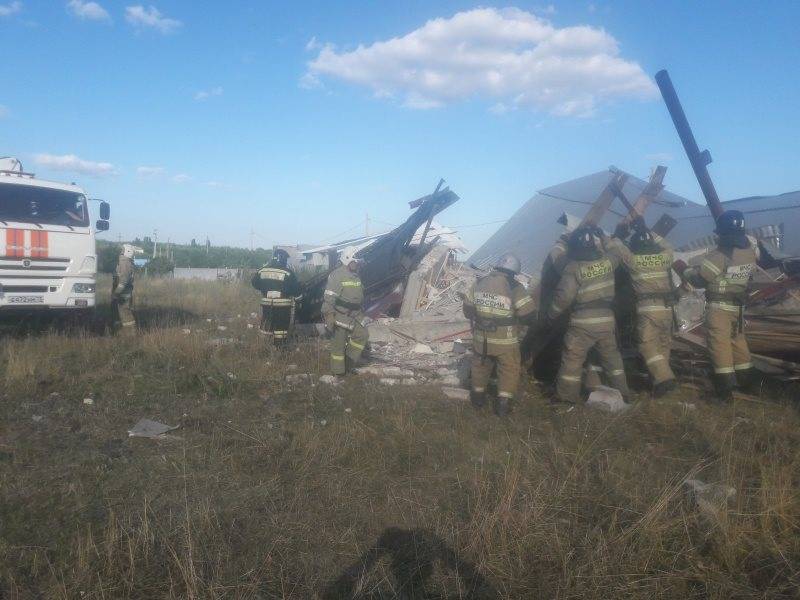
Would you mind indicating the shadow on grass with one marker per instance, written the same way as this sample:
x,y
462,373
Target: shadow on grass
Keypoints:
x,y
413,556
97,322
156,317
19,324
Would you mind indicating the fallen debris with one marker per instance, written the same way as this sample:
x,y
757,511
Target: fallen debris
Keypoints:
x,y
385,371
299,378
217,342
455,393
711,498
330,380
150,429
422,349
404,381
607,399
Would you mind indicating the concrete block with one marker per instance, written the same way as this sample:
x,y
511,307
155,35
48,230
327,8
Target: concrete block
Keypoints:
x,y
607,399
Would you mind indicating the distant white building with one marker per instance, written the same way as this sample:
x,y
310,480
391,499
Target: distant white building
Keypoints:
x,y
207,274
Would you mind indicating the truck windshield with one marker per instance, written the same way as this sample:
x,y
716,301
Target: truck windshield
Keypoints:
x,y
32,204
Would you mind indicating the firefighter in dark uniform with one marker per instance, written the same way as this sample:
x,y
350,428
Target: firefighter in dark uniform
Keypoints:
x,y
280,289
725,273
496,306
586,289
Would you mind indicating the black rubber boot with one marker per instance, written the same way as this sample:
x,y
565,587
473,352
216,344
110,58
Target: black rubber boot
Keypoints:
x,y
723,387
664,388
478,399
502,407
748,380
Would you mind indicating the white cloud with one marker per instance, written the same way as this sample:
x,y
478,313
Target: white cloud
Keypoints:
x,y
4,112
73,164
508,56
659,157
206,94
6,10
181,178
150,172
90,11
150,17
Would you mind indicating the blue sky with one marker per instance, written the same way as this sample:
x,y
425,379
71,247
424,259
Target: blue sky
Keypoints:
x,y
218,119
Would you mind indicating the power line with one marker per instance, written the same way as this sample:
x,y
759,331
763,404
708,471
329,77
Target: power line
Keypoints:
x,y
478,224
357,226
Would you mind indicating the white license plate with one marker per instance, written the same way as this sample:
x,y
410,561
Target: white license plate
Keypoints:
x,y
26,300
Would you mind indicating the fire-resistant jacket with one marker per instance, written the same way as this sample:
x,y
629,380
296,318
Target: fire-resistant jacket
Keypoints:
x,y
497,304
123,277
651,274
587,286
726,275
275,281
344,294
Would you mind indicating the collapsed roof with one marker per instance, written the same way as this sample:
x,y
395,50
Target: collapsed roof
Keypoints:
x,y
389,258
532,230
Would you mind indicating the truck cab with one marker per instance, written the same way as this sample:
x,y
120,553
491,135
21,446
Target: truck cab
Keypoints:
x,y
48,257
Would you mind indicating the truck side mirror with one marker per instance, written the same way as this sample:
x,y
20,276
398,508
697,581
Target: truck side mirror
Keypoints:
x,y
101,225
105,212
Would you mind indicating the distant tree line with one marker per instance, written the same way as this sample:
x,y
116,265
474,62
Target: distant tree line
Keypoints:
x,y
183,255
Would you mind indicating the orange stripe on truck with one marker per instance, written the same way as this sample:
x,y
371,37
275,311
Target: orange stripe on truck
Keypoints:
x,y
15,242
39,244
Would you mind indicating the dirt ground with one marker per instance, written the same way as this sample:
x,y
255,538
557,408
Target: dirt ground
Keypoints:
x,y
277,490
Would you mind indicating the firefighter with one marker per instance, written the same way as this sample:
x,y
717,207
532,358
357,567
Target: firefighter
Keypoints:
x,y
648,260
343,312
496,305
281,291
553,267
586,289
725,273
122,289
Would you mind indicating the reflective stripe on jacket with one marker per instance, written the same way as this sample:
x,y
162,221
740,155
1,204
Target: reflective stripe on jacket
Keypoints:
x,y
651,274
496,304
587,287
726,274
274,278
344,293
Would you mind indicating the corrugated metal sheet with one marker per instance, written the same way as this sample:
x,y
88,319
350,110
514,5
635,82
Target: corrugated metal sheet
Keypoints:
x,y
532,230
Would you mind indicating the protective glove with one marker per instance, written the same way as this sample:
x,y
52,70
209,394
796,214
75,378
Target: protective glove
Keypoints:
x,y
622,230
680,267
639,223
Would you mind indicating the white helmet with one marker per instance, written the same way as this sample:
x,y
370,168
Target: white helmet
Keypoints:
x,y
128,250
509,263
349,255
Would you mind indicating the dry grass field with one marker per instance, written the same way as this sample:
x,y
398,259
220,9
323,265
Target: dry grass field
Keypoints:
x,y
364,491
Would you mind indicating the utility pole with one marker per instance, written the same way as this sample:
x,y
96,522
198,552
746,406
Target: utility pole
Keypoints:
x,y
252,234
155,243
366,225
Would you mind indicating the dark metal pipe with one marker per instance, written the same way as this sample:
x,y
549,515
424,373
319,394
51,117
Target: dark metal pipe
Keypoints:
x,y
699,160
